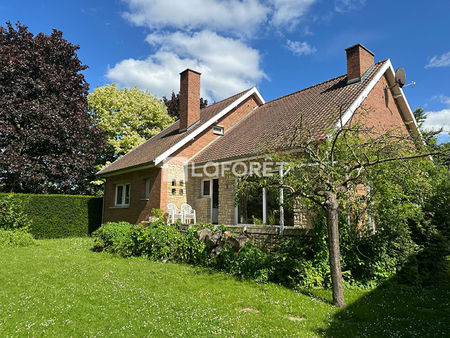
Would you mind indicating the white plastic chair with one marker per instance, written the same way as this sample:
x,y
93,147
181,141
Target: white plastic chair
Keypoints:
x,y
188,213
173,213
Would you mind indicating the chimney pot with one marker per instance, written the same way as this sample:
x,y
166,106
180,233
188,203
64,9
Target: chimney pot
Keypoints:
x,y
189,98
359,60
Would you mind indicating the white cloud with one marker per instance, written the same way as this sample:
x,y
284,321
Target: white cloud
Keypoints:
x,y
439,61
344,6
442,98
300,48
438,119
287,13
218,15
227,65
238,16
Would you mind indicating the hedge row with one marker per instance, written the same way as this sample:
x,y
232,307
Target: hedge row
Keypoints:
x,y
57,216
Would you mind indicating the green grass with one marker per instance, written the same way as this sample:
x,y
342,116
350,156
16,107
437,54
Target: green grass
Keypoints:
x,y
61,288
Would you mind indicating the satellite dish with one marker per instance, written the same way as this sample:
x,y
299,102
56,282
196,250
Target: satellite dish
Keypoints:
x,y
400,77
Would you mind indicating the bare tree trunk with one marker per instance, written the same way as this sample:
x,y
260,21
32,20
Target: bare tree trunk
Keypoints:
x,y
331,207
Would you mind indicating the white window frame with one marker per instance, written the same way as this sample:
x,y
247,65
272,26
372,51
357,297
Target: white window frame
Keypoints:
x,y
218,130
147,189
124,190
202,188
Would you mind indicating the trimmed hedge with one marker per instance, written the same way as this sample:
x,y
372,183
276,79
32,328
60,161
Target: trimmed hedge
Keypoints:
x,y
57,216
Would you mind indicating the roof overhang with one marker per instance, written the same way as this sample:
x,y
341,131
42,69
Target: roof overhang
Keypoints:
x,y
127,170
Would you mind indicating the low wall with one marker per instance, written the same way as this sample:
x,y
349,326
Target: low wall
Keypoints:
x,y
267,237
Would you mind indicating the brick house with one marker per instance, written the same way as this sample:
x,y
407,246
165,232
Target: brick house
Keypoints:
x,y
175,165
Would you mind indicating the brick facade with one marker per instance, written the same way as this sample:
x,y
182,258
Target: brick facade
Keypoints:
x,y
139,208
380,110
161,178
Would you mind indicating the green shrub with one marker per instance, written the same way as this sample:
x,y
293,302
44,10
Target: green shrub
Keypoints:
x,y
12,216
191,250
15,238
164,241
252,263
57,216
115,238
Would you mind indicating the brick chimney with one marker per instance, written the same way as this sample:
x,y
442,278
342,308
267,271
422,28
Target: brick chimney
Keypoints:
x,y
189,98
359,59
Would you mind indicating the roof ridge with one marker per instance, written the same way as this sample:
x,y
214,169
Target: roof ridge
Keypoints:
x,y
229,97
317,84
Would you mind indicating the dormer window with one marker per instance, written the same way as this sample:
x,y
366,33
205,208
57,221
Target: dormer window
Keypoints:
x,y
218,130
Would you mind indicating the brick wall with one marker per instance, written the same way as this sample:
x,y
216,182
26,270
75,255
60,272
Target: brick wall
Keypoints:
x,y
139,208
380,111
359,59
189,98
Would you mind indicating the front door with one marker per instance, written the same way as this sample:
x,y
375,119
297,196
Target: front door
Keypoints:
x,y
215,202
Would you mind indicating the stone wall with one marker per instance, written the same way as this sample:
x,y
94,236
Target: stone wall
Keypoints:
x,y
265,237
176,184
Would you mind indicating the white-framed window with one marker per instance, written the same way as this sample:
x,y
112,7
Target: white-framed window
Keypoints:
x,y
122,198
147,188
218,130
206,188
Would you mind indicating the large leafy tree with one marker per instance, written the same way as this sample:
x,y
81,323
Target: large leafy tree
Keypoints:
x,y
173,104
47,141
128,117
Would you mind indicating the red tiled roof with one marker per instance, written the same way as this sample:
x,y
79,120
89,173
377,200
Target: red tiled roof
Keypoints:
x,y
273,124
149,150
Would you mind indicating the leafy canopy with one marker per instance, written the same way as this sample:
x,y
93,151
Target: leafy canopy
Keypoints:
x,y
47,141
128,117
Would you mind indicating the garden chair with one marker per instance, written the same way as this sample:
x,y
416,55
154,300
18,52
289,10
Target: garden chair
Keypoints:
x,y
188,214
173,213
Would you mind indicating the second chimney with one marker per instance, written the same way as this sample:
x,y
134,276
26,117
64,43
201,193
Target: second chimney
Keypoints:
x,y
189,98
359,60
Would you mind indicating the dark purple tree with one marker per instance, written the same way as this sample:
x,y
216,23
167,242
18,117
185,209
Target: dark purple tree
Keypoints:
x,y
48,143
173,104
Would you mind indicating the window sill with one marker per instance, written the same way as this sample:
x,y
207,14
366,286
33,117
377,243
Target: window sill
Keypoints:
x,y
145,199
120,207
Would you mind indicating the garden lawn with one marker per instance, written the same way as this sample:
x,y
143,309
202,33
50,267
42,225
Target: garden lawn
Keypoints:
x,y
61,288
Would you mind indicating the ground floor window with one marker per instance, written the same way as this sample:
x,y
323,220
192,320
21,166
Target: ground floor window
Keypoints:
x,y
264,206
147,188
122,198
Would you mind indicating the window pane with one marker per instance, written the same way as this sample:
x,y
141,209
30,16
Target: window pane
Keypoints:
x,y
174,191
147,188
174,183
127,194
181,191
119,192
206,187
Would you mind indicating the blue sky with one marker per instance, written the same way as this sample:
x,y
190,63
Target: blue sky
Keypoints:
x,y
280,46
